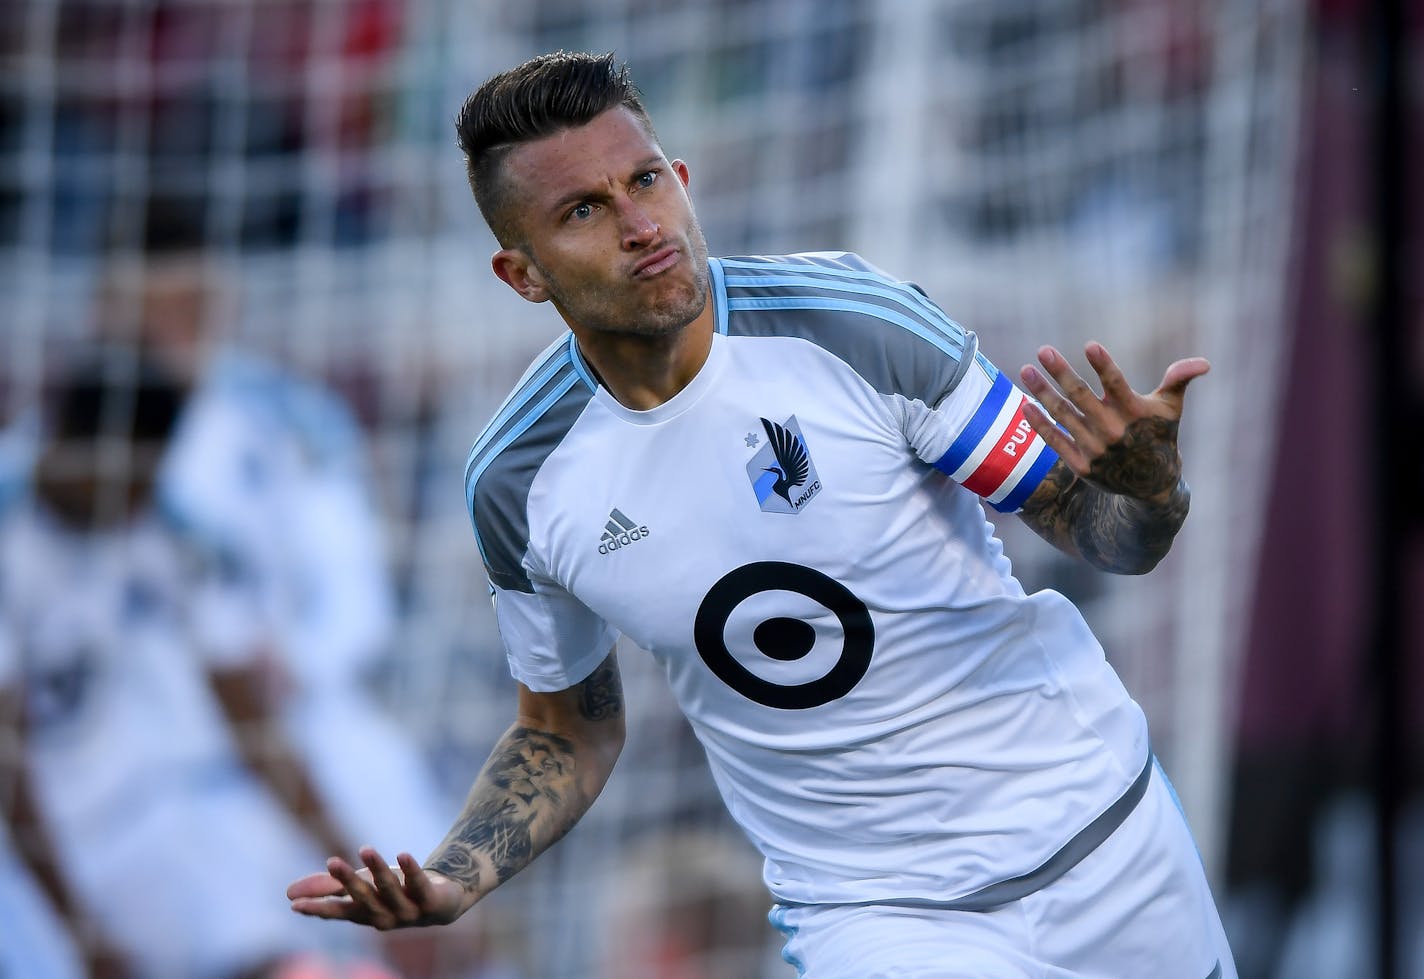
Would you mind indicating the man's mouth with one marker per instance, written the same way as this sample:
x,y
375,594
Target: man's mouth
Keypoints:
x,y
656,263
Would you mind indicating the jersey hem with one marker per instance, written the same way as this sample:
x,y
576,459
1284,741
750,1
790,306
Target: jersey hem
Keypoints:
x,y
1003,892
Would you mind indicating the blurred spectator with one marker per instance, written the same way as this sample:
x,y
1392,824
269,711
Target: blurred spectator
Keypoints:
x,y
178,102
134,649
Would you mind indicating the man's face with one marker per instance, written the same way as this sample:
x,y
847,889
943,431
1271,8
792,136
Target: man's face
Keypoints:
x,y
607,229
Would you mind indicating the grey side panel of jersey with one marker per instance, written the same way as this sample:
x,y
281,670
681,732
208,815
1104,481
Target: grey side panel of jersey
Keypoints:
x,y
501,497
891,358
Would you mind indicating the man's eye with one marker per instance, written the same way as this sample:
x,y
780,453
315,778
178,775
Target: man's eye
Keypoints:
x,y
647,179
582,212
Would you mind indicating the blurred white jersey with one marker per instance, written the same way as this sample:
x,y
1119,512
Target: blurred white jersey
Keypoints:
x,y
134,764
34,942
269,469
887,714
108,629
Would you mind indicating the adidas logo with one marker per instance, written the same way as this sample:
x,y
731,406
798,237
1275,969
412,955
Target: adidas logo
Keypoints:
x,y
620,532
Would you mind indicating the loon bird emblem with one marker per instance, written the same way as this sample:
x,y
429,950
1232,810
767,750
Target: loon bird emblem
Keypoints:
x,y
793,463
782,473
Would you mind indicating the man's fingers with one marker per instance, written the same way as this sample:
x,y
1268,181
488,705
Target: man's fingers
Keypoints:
x,y
1056,438
314,885
390,890
1061,409
357,888
1074,388
1174,383
1115,386
338,908
417,882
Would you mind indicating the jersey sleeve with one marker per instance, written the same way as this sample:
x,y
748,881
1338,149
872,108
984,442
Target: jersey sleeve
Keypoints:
x,y
978,435
552,640
228,620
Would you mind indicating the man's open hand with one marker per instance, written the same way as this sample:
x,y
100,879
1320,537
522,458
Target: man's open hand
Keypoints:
x,y
1123,441
378,895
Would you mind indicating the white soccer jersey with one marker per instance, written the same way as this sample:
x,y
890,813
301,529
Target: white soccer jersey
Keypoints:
x,y
107,636
888,715
269,466
134,764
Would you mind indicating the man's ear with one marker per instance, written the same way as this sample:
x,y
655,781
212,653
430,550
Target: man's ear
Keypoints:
x,y
518,272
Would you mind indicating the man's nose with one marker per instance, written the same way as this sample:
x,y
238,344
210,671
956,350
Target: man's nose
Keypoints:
x,y
639,228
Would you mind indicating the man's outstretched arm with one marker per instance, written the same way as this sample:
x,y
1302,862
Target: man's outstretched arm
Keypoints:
x,y
1116,496
541,777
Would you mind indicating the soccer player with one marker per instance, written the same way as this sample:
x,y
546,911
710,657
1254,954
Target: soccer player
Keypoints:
x,y
768,473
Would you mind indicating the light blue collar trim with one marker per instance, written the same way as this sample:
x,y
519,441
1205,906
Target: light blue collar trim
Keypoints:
x,y
719,295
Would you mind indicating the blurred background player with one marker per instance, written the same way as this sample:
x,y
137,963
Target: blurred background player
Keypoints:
x,y
268,469
130,642
686,905
270,466
46,932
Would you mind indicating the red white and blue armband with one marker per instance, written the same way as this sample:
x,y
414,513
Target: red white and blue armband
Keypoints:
x,y
998,455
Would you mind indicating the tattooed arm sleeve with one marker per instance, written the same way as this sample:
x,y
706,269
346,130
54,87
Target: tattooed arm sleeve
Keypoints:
x,y
1126,529
541,777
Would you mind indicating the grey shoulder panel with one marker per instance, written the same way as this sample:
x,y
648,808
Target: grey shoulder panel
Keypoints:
x,y
888,331
509,453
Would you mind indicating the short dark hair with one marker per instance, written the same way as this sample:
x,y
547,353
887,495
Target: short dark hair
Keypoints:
x,y
543,96
141,396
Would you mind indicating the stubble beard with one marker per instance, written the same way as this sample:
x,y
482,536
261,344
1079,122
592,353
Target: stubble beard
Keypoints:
x,y
607,309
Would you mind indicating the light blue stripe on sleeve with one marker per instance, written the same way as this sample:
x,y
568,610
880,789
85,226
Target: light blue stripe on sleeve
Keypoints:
x,y
938,339
524,424
534,379
811,275
906,298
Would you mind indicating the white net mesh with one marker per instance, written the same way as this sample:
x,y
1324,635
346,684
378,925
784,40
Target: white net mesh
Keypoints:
x,y
1056,171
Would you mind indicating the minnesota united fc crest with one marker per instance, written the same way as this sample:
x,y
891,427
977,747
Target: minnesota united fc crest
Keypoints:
x,y
782,473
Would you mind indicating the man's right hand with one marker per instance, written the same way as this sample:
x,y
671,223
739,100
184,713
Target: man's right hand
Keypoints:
x,y
379,895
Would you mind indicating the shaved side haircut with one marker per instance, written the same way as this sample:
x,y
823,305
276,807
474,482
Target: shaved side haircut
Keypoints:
x,y
539,98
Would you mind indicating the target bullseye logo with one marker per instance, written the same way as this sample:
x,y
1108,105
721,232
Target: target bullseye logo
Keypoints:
x,y
783,638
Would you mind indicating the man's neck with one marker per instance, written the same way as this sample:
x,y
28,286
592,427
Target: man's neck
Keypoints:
x,y
642,372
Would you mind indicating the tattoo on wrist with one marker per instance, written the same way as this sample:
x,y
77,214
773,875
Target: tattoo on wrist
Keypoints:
x,y
1112,532
1143,464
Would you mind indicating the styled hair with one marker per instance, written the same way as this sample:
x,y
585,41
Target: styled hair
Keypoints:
x,y
539,98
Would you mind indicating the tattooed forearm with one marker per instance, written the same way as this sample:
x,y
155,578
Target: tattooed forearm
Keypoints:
x,y
524,800
1124,517
537,782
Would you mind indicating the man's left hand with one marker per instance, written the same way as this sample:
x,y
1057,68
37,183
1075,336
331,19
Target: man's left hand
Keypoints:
x,y
1122,441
